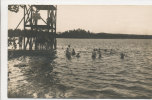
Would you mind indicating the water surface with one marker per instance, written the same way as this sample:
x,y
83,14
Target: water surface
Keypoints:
x,y
84,77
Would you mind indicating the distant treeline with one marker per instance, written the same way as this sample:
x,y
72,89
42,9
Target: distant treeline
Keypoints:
x,y
81,33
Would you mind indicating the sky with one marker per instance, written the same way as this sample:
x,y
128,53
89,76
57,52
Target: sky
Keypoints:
x,y
125,19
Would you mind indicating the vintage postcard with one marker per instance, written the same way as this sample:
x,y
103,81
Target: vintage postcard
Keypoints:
x,y
79,51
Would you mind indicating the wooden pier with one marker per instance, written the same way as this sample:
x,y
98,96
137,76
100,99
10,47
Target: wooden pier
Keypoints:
x,y
36,37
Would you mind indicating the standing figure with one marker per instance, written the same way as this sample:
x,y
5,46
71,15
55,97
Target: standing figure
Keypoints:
x,y
99,52
122,56
93,54
69,47
68,54
73,52
111,51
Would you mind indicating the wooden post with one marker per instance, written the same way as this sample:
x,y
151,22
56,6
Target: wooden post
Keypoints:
x,y
24,30
30,43
48,17
55,28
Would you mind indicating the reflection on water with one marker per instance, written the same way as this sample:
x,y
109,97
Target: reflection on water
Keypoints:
x,y
83,77
33,76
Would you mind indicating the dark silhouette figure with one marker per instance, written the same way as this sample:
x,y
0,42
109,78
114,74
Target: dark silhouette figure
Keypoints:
x,y
99,52
94,54
73,52
68,54
100,56
122,56
111,51
68,46
78,55
105,50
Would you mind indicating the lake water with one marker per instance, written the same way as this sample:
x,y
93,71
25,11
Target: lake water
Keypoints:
x,y
84,77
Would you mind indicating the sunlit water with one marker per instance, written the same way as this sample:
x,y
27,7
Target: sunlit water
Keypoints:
x,y
107,77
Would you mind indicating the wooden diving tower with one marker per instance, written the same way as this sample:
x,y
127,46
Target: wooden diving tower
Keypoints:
x,y
38,37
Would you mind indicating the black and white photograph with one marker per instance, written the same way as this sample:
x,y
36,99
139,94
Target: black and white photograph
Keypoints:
x,y
79,51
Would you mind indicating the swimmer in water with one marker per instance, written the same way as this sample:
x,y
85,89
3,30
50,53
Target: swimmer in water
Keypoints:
x,y
78,55
105,50
99,52
69,47
122,56
73,52
68,54
93,54
111,51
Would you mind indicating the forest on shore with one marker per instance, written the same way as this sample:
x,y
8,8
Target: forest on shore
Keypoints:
x,y
81,33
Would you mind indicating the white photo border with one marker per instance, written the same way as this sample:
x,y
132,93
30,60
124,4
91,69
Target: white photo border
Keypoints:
x,y
4,28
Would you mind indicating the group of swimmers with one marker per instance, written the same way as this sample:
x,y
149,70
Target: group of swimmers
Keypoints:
x,y
98,51
72,52
95,53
